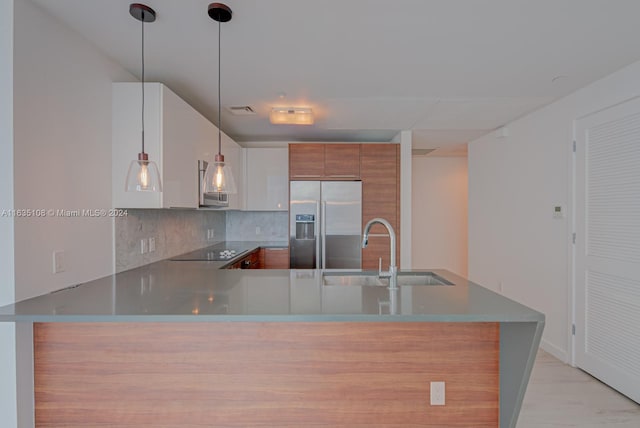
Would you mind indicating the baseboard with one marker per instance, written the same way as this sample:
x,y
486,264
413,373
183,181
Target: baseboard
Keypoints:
x,y
557,352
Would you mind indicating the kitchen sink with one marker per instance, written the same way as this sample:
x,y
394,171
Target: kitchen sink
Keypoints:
x,y
421,278
371,279
357,279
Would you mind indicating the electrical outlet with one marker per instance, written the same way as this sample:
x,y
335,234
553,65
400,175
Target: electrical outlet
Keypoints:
x,y
437,393
144,246
258,230
211,233
152,245
58,262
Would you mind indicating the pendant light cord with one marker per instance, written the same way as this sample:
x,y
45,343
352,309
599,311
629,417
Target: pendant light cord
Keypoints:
x,y
219,102
142,81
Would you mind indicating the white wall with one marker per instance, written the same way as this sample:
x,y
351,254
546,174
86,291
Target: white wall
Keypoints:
x,y
514,182
62,126
8,394
406,200
405,139
439,213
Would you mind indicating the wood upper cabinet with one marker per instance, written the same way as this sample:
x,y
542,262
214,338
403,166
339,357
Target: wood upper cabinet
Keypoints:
x,y
377,166
324,161
380,173
306,161
342,160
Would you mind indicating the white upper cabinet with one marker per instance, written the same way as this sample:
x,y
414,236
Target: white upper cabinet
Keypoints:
x,y
233,155
267,179
176,137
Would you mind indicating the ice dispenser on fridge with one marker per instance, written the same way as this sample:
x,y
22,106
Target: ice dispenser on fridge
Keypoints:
x,y
304,242
305,226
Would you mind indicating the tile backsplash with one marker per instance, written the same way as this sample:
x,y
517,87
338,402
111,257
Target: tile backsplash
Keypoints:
x,y
175,232
257,226
180,231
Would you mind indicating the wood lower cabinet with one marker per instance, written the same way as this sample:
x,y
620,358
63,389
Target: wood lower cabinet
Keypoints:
x,y
250,261
264,258
274,258
278,374
380,174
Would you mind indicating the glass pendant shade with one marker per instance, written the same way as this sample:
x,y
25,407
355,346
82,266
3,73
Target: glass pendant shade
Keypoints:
x,y
218,178
143,176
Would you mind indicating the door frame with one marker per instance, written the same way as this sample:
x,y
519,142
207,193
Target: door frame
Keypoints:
x,y
571,268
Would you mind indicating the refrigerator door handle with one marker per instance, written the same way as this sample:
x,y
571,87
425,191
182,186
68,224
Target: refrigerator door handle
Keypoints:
x,y
317,235
323,229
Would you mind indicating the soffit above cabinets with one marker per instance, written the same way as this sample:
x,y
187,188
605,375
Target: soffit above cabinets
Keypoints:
x,y
368,68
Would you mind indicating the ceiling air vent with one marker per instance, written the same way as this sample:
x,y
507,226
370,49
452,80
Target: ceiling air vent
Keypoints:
x,y
421,152
242,110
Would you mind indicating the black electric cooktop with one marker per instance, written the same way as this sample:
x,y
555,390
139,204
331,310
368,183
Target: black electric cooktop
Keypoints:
x,y
212,255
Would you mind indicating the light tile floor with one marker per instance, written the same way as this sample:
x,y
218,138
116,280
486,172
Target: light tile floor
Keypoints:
x,y
559,395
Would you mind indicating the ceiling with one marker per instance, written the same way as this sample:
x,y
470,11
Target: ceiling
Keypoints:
x,y
450,71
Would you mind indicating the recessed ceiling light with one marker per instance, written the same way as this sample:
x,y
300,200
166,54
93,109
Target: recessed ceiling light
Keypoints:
x,y
421,152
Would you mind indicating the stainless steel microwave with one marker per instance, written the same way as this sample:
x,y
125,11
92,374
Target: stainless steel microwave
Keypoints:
x,y
209,199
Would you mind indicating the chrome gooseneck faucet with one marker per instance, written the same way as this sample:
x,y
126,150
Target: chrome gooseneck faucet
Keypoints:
x,y
392,273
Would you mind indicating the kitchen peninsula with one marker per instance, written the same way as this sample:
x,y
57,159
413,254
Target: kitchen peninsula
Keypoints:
x,y
184,343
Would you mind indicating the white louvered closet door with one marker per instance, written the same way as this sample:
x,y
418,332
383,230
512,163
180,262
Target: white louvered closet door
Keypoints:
x,y
607,250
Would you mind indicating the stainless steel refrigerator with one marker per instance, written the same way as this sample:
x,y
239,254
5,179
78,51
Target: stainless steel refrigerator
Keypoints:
x,y
325,224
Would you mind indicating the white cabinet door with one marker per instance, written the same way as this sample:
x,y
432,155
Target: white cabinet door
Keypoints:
x,y
176,137
267,174
182,129
233,158
127,140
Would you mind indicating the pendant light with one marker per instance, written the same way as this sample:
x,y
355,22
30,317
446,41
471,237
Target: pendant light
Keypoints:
x,y
143,175
218,177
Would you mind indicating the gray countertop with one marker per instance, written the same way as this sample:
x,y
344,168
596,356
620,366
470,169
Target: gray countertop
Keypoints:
x,y
199,291
193,291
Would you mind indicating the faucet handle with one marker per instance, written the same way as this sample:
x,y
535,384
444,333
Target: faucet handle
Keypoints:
x,y
380,273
